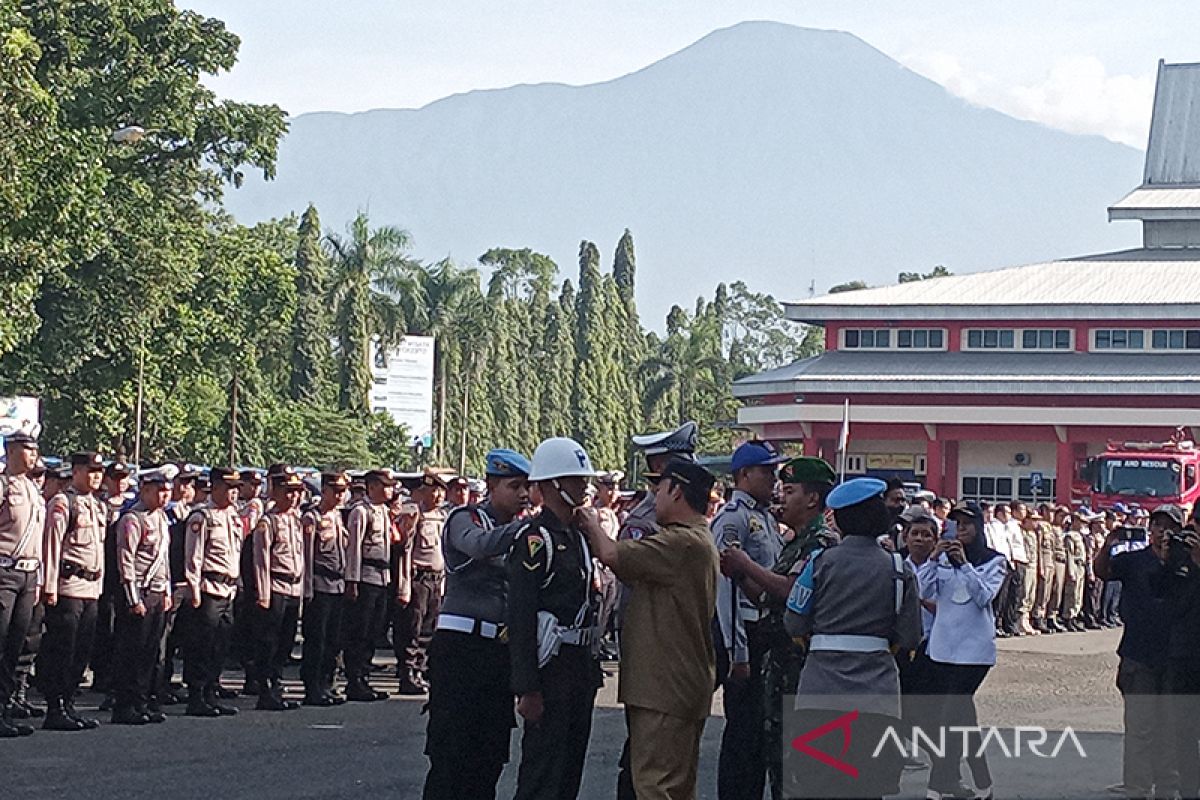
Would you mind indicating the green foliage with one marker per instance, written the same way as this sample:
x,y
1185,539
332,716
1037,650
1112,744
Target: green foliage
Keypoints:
x,y
312,329
912,277
850,286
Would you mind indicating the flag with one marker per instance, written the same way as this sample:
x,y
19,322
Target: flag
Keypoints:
x,y
843,440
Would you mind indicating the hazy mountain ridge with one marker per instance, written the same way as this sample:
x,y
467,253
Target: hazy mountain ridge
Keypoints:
x,y
774,154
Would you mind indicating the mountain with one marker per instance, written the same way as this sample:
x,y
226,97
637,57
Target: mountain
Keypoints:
x,y
779,155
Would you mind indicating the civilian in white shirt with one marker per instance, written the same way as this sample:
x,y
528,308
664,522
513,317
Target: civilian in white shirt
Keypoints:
x,y
996,536
1018,567
916,672
966,575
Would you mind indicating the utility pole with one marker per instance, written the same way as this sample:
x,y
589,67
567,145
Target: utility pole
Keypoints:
x,y
141,393
233,424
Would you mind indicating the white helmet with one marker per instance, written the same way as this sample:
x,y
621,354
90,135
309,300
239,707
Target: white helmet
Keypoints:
x,y
560,457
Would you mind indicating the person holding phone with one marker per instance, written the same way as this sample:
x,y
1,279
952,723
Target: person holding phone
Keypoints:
x,y
963,578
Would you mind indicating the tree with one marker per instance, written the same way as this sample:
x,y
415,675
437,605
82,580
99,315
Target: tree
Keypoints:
x,y
912,277
312,330
850,286
376,291
683,372
756,334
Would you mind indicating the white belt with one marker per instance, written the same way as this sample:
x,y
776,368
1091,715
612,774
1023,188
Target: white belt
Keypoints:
x,y
848,643
20,564
453,622
750,614
577,636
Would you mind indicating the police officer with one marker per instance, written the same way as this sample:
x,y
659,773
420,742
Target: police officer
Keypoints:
x,y
470,698
1075,573
251,506
458,492
854,603
368,574
421,571
22,525
325,540
143,566
212,566
806,483
746,522
279,585
74,556
658,449
52,481
118,476
184,493
551,624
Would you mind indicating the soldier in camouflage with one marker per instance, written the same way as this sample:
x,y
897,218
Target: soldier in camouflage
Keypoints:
x,y
806,482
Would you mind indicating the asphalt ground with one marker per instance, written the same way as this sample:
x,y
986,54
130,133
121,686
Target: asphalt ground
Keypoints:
x,y
376,750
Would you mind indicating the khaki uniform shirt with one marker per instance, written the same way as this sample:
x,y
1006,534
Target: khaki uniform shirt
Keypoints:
x,y
369,550
325,540
212,551
143,545
667,660
81,546
279,555
22,518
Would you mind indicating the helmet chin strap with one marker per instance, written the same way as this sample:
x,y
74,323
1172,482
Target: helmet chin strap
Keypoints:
x,y
570,501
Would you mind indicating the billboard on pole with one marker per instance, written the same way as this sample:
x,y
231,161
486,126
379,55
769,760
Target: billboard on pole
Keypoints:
x,y
404,386
22,414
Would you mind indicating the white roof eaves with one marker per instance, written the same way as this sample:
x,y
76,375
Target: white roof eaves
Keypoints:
x,y
972,385
817,314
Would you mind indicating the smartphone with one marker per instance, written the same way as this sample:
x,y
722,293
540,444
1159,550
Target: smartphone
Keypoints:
x,y
950,530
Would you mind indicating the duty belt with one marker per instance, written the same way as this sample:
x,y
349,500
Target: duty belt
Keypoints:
x,y
20,564
475,627
284,577
580,637
219,577
377,563
70,569
425,572
848,643
326,572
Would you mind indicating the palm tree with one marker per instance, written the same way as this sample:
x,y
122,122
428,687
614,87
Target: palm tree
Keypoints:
x,y
377,293
686,366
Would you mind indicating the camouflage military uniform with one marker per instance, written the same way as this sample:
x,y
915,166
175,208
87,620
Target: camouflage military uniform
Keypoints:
x,y
785,658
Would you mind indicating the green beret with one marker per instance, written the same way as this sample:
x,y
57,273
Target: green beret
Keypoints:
x,y
807,469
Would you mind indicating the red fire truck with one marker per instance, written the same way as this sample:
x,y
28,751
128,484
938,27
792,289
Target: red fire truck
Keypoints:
x,y
1146,474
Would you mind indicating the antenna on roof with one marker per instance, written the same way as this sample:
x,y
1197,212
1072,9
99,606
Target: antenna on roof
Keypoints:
x,y
812,288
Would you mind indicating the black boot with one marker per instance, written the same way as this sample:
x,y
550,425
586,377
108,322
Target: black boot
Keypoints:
x,y
198,707
10,729
128,714
270,698
412,685
152,711
88,724
316,696
210,697
21,707
57,718
360,692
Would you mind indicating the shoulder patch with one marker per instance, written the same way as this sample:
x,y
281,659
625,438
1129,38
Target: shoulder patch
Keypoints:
x,y
534,542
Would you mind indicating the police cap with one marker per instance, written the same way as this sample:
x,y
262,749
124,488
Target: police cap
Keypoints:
x,y
92,461
503,463
755,454
681,440
855,491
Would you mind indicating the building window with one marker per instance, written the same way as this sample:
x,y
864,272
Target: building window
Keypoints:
x,y
990,338
1175,339
1120,339
994,489
1046,339
921,466
1045,492
855,465
867,339
921,339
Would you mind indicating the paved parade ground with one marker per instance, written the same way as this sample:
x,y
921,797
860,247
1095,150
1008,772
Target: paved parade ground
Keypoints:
x,y
375,750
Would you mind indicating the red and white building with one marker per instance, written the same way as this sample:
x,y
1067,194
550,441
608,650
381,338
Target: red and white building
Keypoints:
x,y
975,384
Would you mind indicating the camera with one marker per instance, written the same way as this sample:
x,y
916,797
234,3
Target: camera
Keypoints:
x,y
1129,533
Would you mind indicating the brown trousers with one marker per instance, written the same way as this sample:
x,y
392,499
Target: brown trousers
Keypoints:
x,y
663,754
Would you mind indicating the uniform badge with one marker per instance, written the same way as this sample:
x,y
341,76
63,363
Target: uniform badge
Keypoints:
x,y
535,543
755,525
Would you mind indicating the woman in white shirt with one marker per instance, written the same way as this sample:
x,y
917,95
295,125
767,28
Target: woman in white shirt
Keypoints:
x,y
962,579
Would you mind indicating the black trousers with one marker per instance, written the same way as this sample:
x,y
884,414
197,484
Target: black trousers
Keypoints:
x,y
742,766
322,639
1183,682
412,622
102,654
1011,611
470,716
33,643
138,650
66,646
18,591
957,684
207,640
275,633
170,643
366,618
554,749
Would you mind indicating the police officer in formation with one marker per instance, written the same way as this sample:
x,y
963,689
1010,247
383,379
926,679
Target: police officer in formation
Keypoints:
x,y
807,481
421,571
22,523
746,523
74,566
368,576
551,619
143,540
325,542
659,449
470,699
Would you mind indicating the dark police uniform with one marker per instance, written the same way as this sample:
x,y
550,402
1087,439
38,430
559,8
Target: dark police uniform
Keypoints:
x,y
470,698
325,541
550,570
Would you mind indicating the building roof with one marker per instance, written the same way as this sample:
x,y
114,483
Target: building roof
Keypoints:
x,y
1158,203
1157,284
892,372
1173,153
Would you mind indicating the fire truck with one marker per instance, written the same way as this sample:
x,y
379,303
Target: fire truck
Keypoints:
x,y
1145,474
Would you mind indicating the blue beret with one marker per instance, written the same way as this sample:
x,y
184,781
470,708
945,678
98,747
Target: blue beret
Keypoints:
x,y
854,491
754,454
503,463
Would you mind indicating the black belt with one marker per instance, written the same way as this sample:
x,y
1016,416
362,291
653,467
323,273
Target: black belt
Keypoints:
x,y
422,572
70,569
219,577
284,577
326,572
20,564
377,563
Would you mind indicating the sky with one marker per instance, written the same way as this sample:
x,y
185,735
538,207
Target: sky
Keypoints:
x,y
1084,66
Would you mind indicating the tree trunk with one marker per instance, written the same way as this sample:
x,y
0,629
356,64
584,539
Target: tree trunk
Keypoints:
x,y
466,410
441,421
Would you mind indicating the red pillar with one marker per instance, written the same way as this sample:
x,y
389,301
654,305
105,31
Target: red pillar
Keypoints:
x,y
950,487
1064,471
933,466
811,448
